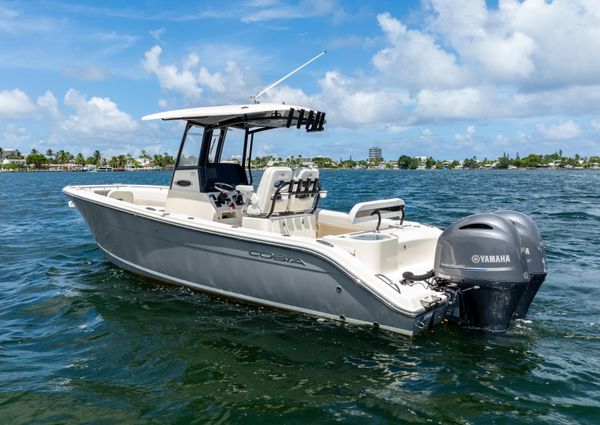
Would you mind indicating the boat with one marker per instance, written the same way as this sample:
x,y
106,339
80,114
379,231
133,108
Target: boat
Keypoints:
x,y
270,242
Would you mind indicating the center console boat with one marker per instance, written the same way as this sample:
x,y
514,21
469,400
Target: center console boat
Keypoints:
x,y
214,229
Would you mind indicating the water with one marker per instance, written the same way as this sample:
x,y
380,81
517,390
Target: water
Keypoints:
x,y
83,342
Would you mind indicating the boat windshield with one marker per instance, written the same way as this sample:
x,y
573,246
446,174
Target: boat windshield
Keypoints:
x,y
213,149
190,151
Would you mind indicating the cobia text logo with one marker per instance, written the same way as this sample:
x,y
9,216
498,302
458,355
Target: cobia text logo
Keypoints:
x,y
276,257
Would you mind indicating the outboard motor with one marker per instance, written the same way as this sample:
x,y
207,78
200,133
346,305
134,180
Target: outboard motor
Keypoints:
x,y
532,247
480,255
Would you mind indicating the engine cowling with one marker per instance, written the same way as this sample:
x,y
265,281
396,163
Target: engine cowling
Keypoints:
x,y
532,248
481,256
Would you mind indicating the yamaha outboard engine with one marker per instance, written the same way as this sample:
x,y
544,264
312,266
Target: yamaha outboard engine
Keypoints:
x,y
532,248
481,257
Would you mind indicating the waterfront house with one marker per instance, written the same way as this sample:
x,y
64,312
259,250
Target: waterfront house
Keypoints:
x,y
13,161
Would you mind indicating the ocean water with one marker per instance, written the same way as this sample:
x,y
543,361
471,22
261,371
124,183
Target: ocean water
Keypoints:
x,y
82,341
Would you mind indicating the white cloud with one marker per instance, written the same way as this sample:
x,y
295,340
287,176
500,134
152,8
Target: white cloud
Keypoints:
x,y
87,72
501,140
266,149
276,10
14,23
290,95
506,58
13,136
532,41
214,81
414,59
467,136
356,104
595,124
350,41
122,40
170,77
567,33
49,103
567,100
567,130
97,117
232,83
484,38
463,103
157,34
346,100
15,103
238,82
468,60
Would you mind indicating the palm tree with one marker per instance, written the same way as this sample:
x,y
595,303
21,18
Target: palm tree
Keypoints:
x,y
119,161
97,158
49,154
157,161
80,160
168,160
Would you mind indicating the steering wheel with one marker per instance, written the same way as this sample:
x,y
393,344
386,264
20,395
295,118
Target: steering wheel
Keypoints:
x,y
224,187
228,193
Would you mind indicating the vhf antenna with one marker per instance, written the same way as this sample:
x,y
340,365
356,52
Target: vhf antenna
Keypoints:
x,y
255,98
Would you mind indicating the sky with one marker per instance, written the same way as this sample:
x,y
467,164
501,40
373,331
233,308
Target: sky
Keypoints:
x,y
445,78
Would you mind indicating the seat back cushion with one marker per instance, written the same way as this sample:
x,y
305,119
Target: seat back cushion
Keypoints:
x,y
270,181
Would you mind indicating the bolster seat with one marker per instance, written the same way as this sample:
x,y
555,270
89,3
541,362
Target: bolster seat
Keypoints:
x,y
272,192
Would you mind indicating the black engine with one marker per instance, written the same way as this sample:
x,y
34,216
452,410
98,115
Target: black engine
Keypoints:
x,y
493,265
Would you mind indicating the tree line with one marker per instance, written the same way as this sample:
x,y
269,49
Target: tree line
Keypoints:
x,y
39,160
406,162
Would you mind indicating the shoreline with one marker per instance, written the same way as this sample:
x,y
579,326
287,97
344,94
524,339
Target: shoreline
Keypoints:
x,y
322,169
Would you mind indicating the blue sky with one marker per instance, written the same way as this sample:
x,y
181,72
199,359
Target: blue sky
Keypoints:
x,y
451,79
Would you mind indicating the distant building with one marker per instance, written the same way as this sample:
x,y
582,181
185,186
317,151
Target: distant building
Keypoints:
x,y
16,161
235,159
375,153
7,152
304,161
144,162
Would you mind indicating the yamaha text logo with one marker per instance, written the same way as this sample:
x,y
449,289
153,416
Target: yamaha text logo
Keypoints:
x,y
476,259
276,257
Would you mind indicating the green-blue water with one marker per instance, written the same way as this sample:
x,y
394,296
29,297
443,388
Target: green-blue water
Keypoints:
x,y
84,342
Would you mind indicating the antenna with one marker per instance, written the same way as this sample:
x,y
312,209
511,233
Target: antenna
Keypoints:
x,y
287,76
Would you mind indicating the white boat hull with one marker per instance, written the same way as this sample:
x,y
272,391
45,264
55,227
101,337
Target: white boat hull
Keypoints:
x,y
230,263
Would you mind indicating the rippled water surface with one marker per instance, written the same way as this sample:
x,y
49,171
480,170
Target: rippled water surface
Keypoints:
x,y
83,342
